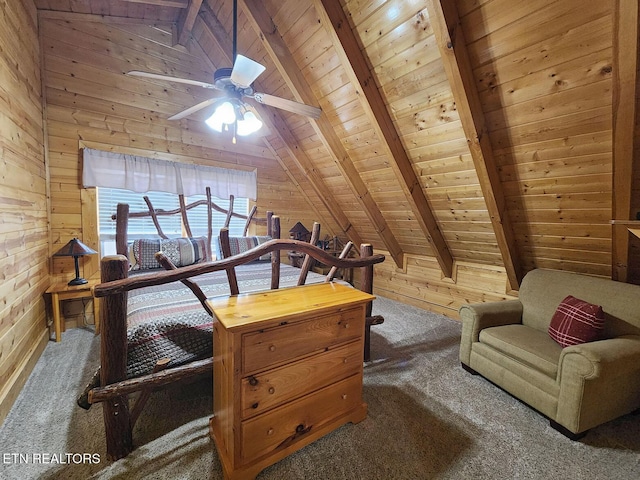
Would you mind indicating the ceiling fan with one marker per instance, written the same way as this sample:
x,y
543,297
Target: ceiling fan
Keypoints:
x,y
231,112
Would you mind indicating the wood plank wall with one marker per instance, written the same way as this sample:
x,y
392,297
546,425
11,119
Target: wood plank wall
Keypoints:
x,y
91,102
543,71
401,47
24,235
634,242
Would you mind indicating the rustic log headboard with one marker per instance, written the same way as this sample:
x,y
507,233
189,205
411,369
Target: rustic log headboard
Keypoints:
x,y
123,215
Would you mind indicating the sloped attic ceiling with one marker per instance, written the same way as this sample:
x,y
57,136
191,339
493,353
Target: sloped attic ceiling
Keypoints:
x,y
402,86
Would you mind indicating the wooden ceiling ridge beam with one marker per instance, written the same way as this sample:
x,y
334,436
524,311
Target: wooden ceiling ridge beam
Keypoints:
x,y
444,18
186,22
355,64
274,121
283,59
625,119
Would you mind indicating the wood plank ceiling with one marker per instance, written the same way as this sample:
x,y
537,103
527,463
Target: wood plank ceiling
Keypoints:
x,y
464,131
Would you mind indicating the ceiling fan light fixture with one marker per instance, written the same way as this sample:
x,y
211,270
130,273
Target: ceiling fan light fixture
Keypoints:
x,y
245,71
248,124
214,123
225,114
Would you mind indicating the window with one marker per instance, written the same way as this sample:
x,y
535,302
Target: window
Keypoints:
x,y
108,199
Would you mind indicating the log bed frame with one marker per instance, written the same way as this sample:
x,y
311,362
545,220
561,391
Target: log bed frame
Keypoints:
x,y
113,387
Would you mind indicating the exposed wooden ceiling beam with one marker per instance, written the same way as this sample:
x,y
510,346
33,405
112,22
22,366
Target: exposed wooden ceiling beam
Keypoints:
x,y
186,21
625,91
274,121
281,56
107,19
355,64
163,3
445,21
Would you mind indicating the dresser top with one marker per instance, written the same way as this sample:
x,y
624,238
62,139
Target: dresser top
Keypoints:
x,y
246,309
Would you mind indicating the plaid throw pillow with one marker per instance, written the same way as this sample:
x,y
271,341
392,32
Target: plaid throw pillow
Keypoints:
x,y
576,321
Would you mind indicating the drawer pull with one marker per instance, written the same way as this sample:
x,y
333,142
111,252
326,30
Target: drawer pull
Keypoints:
x,y
272,390
272,348
300,430
253,381
255,405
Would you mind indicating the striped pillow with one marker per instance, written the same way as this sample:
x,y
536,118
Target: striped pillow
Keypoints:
x,y
576,321
181,251
242,244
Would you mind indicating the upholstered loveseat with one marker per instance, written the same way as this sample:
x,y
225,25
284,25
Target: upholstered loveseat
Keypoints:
x,y
577,387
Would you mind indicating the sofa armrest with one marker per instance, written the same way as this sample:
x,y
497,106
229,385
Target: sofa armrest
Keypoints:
x,y
477,316
599,381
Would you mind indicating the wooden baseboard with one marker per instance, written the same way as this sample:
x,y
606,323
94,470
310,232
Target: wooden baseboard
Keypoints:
x,y
14,386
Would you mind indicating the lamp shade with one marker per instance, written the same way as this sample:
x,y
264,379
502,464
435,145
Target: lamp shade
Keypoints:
x,y
74,248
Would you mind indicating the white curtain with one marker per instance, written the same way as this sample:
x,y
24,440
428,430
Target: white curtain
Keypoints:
x,y
142,174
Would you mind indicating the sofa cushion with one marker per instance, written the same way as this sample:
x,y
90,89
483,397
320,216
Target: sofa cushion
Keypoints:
x,y
576,321
526,345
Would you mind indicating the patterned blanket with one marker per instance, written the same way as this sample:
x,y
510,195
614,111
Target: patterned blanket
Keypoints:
x,y
169,321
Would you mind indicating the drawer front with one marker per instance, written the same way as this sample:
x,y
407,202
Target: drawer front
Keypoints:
x,y
266,390
283,426
285,343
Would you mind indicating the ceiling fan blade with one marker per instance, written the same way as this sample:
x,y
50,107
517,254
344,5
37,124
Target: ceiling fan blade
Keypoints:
x,y
136,73
288,105
245,71
194,109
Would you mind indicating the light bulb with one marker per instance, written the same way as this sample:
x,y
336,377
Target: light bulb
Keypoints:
x,y
248,124
214,122
227,113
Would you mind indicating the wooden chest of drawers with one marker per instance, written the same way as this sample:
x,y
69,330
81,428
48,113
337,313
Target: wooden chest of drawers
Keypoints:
x,y
287,370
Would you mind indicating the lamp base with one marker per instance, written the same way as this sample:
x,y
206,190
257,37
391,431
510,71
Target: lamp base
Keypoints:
x,y
77,281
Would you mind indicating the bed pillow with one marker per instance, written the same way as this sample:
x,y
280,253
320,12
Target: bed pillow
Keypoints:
x,y
242,244
181,251
576,321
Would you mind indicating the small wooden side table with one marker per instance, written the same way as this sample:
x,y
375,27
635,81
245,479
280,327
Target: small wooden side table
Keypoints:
x,y
62,291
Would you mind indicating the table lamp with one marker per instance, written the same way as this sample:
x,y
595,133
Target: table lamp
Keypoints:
x,y
75,248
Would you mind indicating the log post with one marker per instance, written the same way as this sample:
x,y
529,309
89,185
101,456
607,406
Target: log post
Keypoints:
x,y
209,224
366,274
185,217
247,224
154,217
366,285
113,359
275,255
225,247
122,224
308,259
227,220
270,225
343,254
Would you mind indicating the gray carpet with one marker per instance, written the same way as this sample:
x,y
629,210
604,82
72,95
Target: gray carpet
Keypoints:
x,y
427,419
